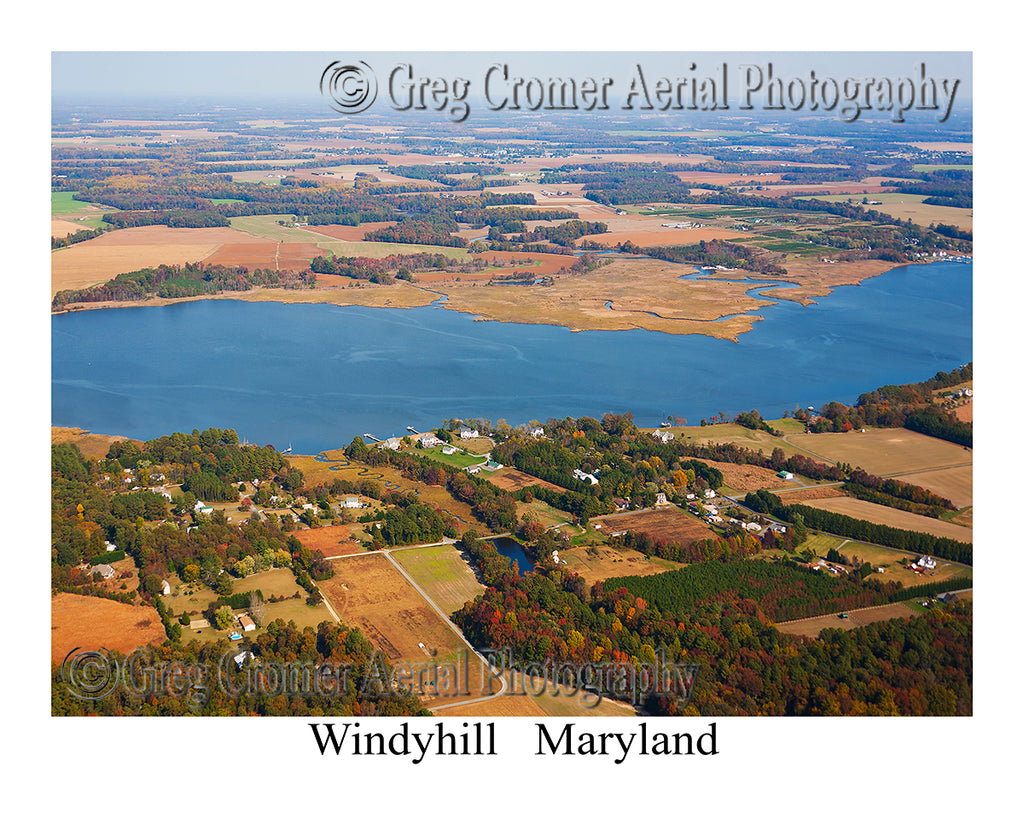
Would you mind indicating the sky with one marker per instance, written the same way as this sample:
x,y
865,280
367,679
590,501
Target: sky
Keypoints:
x,y
219,74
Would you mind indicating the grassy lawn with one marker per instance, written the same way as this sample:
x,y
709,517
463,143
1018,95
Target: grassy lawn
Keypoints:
x,y
460,460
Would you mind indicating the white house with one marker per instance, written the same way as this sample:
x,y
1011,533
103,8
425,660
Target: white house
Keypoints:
x,y
246,622
537,432
580,475
351,502
664,435
926,562
447,450
429,440
103,570
392,443
660,499
466,432
165,588
709,493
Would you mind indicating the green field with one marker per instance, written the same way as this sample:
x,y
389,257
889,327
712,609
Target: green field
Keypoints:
x,y
459,460
267,227
62,203
443,573
930,168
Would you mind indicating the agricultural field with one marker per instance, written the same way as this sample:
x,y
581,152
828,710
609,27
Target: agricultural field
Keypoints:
x,y
911,206
876,513
333,541
444,573
370,593
600,561
672,524
512,479
743,478
94,623
813,626
884,452
123,251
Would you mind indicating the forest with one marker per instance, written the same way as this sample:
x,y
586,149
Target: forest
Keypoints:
x,y
745,665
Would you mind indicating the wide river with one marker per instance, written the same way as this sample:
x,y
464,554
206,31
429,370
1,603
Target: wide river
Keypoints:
x,y
314,376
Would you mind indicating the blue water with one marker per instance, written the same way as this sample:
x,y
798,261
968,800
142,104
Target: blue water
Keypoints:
x,y
514,551
314,376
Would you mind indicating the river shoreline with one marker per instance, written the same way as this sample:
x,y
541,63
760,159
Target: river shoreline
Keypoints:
x,y
646,294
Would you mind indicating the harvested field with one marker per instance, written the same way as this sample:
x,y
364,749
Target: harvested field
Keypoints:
x,y
513,479
810,493
267,255
965,412
92,623
813,626
444,573
955,483
648,231
875,513
599,562
747,477
883,451
122,251
369,592
331,540
672,524
61,228
90,445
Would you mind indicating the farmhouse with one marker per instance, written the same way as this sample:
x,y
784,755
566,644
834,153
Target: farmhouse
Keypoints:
x,y
246,622
351,502
926,562
429,440
785,475
103,570
466,432
165,588
663,435
580,475
447,450
392,443
660,499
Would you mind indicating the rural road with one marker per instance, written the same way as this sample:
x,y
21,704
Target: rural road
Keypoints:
x,y
453,627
